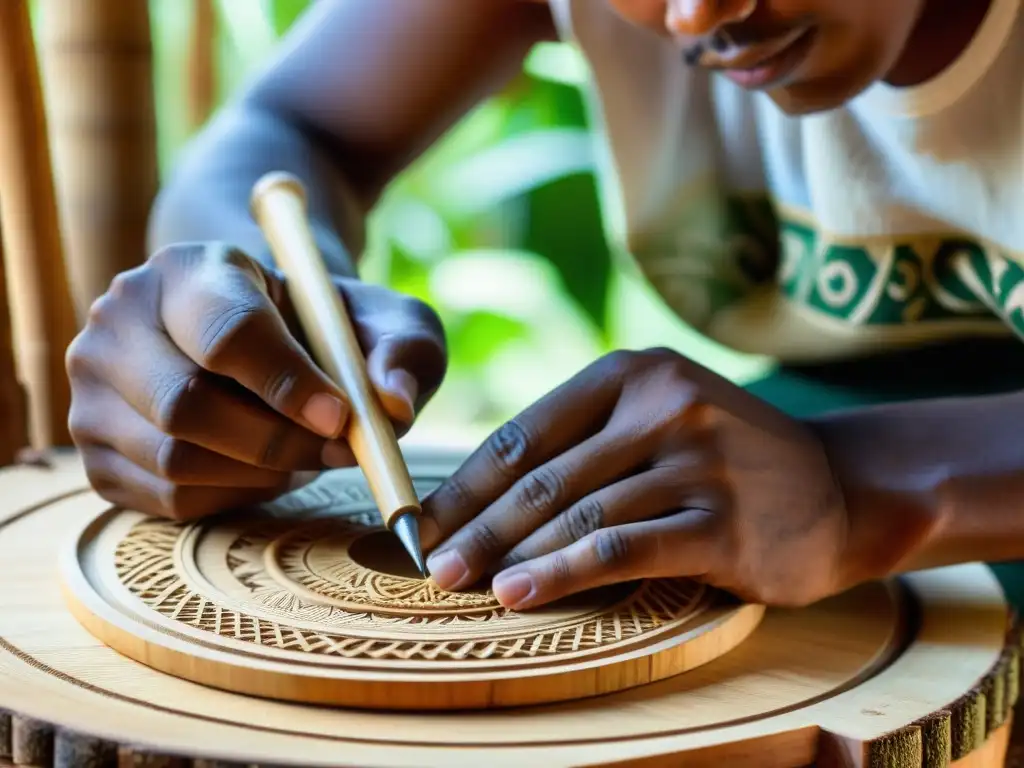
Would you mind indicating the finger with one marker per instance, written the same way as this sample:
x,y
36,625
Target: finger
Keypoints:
x,y
639,497
397,388
182,401
533,501
679,545
337,454
407,354
410,328
567,416
127,485
402,338
220,315
110,422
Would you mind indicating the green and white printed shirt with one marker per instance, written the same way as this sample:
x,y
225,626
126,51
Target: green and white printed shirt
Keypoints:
x,y
894,220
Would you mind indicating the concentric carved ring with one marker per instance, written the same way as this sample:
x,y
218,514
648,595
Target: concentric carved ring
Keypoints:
x,y
360,568
312,599
296,586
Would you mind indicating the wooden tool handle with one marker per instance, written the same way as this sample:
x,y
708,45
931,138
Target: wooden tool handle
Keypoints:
x,y
279,207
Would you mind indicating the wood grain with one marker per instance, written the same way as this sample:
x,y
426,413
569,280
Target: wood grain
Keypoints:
x,y
13,404
97,61
279,206
848,675
42,311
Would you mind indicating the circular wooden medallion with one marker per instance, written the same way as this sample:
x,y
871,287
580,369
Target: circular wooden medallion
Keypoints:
x,y
310,599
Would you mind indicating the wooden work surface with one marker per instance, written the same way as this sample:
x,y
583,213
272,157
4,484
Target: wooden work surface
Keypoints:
x,y
893,674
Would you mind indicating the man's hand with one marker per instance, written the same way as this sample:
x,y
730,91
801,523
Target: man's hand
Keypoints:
x,y
192,392
643,465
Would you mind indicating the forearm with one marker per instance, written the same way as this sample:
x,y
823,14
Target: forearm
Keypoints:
x,y
931,483
355,93
208,196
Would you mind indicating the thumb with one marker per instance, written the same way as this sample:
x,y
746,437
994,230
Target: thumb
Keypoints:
x,y
226,322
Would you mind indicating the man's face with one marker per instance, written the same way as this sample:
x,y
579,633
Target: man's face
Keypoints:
x,y
809,55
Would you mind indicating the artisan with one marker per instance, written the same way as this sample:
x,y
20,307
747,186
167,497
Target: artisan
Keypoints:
x,y
837,185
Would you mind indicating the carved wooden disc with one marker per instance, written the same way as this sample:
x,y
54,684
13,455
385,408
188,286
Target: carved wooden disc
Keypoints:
x,y
310,599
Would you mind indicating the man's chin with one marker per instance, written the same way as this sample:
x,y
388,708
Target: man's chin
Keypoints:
x,y
816,96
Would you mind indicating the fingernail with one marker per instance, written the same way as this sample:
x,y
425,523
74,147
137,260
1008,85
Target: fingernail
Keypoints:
x,y
404,385
447,569
430,532
512,590
325,414
336,455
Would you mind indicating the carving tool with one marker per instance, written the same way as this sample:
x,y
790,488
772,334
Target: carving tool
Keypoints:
x,y
279,207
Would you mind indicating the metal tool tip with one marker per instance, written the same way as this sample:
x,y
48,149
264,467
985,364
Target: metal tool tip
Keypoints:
x,y
407,529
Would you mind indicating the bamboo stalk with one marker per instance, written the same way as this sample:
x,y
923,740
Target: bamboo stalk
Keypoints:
x,y
13,419
202,74
42,313
98,62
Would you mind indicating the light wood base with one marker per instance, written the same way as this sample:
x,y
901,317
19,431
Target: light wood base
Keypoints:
x,y
908,674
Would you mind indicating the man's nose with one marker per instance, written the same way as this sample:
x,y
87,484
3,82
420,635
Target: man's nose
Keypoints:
x,y
697,18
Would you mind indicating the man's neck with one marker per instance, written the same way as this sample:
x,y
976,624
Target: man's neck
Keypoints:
x,y
943,32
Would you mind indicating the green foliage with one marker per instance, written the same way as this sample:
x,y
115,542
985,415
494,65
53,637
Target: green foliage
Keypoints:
x,y
565,226
283,13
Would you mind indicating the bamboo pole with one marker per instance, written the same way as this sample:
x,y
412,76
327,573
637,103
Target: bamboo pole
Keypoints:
x,y
202,74
13,419
98,63
41,308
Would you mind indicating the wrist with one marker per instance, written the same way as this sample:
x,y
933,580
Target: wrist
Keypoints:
x,y
931,483
895,511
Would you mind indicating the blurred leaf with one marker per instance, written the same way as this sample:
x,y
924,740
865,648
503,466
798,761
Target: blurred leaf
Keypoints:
x,y
283,13
511,168
248,29
558,63
536,190
406,274
534,103
519,284
474,338
563,224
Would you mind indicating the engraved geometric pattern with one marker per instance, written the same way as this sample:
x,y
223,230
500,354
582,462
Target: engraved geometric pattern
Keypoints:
x,y
317,558
146,564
